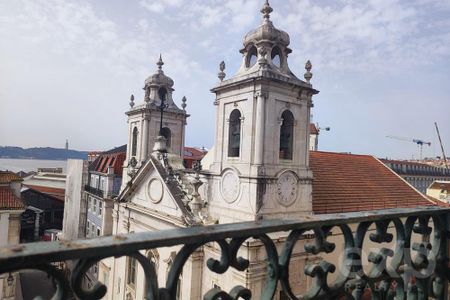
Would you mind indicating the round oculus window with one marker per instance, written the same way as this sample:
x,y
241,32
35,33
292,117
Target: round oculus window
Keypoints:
x,y
155,190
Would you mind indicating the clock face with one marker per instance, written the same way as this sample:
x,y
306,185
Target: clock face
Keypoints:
x,y
287,188
230,186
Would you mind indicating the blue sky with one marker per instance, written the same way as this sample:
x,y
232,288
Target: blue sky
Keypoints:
x,y
68,67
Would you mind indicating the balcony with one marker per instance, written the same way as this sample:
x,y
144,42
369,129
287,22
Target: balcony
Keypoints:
x,y
407,259
93,191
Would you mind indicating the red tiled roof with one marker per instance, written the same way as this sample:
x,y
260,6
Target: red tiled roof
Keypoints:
x,y
54,192
348,183
8,176
313,129
112,158
193,153
8,200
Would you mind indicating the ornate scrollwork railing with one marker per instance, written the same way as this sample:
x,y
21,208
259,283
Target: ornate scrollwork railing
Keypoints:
x,y
410,260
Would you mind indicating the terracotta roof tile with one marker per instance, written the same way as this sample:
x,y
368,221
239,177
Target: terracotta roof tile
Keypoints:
x,y
193,153
8,176
114,158
348,182
8,200
313,129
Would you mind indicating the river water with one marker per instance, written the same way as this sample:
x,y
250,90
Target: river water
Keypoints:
x,y
28,165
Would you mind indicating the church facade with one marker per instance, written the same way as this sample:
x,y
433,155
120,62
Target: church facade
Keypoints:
x,y
258,169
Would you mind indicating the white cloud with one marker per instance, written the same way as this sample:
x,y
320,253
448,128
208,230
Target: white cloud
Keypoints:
x,y
160,6
366,35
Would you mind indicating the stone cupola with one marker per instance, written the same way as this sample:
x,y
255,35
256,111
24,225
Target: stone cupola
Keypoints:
x,y
159,85
266,47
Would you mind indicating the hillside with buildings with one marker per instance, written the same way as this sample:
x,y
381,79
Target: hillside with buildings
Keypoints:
x,y
41,153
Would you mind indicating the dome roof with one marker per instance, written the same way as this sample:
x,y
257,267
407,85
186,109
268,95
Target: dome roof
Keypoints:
x,y
266,31
159,78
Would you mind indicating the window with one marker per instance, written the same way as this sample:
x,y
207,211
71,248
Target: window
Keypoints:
x,y
99,233
88,229
100,207
134,142
276,57
89,203
94,206
93,230
252,56
131,274
234,134
168,135
102,183
94,180
286,135
162,93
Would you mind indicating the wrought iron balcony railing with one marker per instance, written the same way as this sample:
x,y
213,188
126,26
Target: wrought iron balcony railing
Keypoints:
x,y
415,267
94,191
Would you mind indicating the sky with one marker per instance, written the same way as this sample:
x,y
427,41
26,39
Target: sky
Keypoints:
x,y
68,68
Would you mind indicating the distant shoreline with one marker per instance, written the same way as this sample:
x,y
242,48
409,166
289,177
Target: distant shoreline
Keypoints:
x,y
34,158
46,153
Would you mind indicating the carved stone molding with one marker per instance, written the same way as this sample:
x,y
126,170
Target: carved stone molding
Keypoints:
x,y
155,190
263,94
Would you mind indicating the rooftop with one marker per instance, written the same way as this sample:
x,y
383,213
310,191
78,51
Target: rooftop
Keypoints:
x,y
194,153
8,177
111,158
443,185
8,200
56,193
313,129
350,183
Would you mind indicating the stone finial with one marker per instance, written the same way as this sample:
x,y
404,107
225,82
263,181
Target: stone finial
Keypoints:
x,y
183,104
132,101
221,74
308,75
266,10
160,62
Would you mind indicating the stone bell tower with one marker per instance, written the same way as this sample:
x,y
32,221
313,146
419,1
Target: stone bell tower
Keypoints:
x,y
144,121
261,158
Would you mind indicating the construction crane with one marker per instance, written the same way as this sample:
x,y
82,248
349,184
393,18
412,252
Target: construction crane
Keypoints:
x,y
419,142
442,147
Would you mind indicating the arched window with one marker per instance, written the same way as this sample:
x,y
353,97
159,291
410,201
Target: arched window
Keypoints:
x,y
168,135
286,135
252,56
276,57
234,134
162,92
134,142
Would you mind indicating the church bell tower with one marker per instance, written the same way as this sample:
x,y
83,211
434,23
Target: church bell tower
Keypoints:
x,y
158,115
261,157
